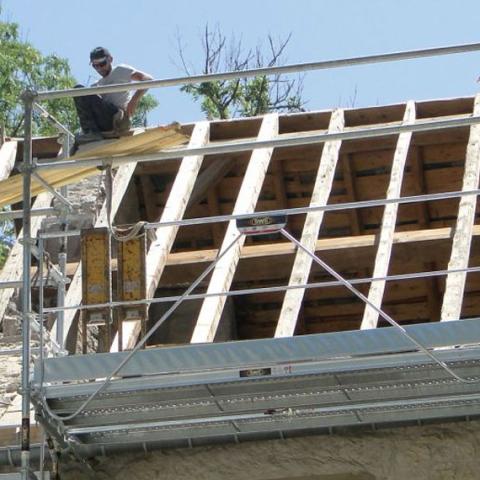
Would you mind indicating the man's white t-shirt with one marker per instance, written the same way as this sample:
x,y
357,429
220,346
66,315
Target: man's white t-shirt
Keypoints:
x,y
119,74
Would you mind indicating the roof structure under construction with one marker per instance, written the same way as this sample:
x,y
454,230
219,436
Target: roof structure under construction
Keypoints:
x,y
295,273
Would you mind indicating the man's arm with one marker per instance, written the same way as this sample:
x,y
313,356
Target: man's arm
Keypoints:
x,y
137,76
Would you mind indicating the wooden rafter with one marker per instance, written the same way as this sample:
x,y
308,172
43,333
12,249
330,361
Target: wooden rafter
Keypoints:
x,y
149,197
455,283
207,180
302,264
382,259
212,308
174,210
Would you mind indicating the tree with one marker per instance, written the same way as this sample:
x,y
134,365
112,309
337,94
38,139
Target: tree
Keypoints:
x,y
242,97
147,103
22,66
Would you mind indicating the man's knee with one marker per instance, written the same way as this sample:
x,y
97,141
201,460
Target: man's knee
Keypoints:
x,y
80,101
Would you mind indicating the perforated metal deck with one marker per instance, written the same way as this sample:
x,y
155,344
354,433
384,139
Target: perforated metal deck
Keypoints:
x,y
182,396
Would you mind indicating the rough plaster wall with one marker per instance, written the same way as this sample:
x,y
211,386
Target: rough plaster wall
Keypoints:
x,y
10,367
437,452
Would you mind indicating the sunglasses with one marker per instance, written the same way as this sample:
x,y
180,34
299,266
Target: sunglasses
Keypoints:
x,y
100,64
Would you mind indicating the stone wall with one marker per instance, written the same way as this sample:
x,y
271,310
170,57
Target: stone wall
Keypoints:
x,y
435,452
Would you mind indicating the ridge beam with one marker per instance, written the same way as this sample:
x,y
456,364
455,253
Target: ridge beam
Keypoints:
x,y
222,276
292,301
389,220
462,239
175,207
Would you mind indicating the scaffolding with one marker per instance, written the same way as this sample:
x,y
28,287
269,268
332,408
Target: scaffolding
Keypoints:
x,y
217,382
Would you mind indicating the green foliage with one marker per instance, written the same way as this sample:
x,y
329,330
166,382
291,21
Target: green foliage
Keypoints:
x,y
241,98
147,103
22,66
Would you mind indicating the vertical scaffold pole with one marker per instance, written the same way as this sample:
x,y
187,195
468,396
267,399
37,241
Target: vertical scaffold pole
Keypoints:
x,y
62,255
27,97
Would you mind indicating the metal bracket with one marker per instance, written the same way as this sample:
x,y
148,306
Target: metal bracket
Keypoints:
x,y
29,96
261,225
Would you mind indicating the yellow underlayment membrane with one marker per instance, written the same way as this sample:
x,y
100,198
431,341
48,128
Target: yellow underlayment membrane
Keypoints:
x,y
150,141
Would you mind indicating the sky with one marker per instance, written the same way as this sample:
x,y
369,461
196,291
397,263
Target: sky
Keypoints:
x,y
144,33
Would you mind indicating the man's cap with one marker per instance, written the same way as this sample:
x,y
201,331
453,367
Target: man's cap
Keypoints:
x,y
99,52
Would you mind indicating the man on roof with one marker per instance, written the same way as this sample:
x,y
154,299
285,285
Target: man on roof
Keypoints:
x,y
108,111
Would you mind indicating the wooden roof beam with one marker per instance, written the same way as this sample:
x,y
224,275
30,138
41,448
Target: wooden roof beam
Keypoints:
x,y
286,248
455,283
321,245
222,276
321,192
384,251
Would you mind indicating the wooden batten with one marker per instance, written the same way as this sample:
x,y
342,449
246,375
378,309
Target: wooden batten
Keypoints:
x,y
389,220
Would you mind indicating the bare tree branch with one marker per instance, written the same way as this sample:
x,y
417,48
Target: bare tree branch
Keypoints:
x,y
244,97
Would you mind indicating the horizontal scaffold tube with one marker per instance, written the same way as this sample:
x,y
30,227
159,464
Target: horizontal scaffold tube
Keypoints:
x,y
335,207
285,140
293,68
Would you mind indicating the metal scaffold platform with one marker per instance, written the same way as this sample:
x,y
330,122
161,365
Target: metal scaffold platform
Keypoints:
x,y
189,395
